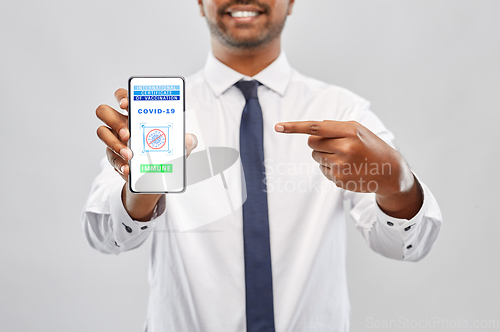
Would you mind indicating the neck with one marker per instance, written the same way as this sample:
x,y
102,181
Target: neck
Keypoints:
x,y
248,62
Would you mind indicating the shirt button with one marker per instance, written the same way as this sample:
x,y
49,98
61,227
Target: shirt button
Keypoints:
x,y
144,227
390,223
127,228
407,228
409,247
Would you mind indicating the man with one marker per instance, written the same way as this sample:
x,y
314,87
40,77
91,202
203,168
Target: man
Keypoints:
x,y
289,273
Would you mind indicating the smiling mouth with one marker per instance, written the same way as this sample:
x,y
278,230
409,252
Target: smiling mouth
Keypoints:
x,y
243,14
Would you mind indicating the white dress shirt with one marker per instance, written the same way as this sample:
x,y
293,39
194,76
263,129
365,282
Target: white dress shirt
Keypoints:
x,y
197,272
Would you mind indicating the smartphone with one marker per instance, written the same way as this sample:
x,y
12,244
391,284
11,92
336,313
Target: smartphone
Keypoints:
x,y
157,129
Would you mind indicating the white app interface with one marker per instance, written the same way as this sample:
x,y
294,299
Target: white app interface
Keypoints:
x,y
156,121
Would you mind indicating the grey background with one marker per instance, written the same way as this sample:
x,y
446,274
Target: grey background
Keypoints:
x,y
430,67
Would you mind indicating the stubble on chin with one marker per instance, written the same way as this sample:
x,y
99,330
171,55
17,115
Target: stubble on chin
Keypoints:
x,y
268,33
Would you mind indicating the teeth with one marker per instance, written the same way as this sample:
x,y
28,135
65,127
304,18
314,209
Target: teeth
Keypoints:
x,y
244,14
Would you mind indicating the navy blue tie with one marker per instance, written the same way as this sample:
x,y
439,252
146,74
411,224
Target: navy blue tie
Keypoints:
x,y
257,250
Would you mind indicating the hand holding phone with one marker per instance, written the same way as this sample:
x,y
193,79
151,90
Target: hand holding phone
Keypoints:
x,y
115,135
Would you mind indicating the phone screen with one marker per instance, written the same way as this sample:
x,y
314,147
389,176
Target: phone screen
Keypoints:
x,y
156,124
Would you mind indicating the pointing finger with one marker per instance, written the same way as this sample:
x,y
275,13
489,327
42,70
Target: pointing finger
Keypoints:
x,y
327,128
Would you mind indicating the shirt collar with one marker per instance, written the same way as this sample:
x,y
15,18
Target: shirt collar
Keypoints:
x,y
220,77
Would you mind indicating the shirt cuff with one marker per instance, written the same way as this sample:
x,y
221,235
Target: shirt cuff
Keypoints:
x,y
406,228
121,216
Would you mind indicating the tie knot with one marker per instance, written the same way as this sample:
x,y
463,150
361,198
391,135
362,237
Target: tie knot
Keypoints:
x,y
248,88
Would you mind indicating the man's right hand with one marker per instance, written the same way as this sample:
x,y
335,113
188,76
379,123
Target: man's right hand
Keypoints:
x,y
115,135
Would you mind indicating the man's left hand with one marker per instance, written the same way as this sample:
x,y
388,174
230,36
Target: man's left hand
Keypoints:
x,y
356,159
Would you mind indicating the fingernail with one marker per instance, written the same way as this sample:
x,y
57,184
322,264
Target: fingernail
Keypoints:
x,y
124,153
280,128
123,132
122,169
121,101
195,142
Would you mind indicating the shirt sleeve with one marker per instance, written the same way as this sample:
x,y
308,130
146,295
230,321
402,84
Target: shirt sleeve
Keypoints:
x,y
107,225
400,239
395,238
